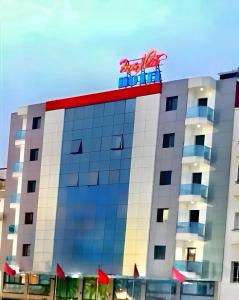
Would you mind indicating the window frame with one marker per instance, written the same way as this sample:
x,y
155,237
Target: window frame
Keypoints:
x,y
168,140
234,279
157,254
165,181
29,190
36,123
161,218
34,152
30,220
26,250
173,105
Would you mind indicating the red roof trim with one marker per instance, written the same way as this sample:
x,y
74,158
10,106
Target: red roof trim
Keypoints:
x,y
104,97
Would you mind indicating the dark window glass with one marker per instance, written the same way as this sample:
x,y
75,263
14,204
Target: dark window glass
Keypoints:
x,y
29,218
171,103
76,146
199,140
26,249
194,215
168,140
235,271
34,154
162,214
159,252
197,178
117,142
202,102
36,122
165,177
31,186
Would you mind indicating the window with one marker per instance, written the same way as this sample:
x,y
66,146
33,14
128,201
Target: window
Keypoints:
x,y
93,178
198,289
72,179
117,142
197,178
31,186
171,103
29,218
235,271
114,176
76,146
236,221
168,140
199,140
162,214
26,249
36,122
34,154
159,252
165,177
202,102
237,181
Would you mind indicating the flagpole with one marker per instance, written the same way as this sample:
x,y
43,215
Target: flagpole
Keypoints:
x,y
97,289
133,290
55,288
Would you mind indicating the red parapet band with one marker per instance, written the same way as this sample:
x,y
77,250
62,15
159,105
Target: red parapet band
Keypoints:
x,y
104,97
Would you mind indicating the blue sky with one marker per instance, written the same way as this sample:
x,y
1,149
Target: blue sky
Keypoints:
x,y
57,48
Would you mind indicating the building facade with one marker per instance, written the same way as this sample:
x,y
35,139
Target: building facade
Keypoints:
x,y
141,175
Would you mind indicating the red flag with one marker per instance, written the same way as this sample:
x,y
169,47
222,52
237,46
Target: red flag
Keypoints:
x,y
7,269
103,278
60,272
136,272
178,276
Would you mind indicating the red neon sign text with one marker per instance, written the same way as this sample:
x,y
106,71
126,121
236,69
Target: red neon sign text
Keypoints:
x,y
149,60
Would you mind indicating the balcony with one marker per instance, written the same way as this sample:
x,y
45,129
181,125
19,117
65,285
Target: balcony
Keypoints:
x,y
199,268
17,168
190,231
15,198
192,152
12,229
193,192
20,137
200,116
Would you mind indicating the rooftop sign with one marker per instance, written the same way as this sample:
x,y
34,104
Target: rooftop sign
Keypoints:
x,y
135,69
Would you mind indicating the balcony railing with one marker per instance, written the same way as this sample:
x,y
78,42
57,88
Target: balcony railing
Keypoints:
x,y
20,135
194,189
198,267
197,150
15,198
12,228
201,112
191,227
17,167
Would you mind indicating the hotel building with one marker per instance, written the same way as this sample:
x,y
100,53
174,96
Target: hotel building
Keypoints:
x,y
145,174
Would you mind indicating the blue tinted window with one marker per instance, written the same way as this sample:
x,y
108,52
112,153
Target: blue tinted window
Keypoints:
x,y
76,146
117,142
114,176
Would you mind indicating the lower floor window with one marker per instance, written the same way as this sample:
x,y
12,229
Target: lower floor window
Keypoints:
x,y
26,249
235,271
